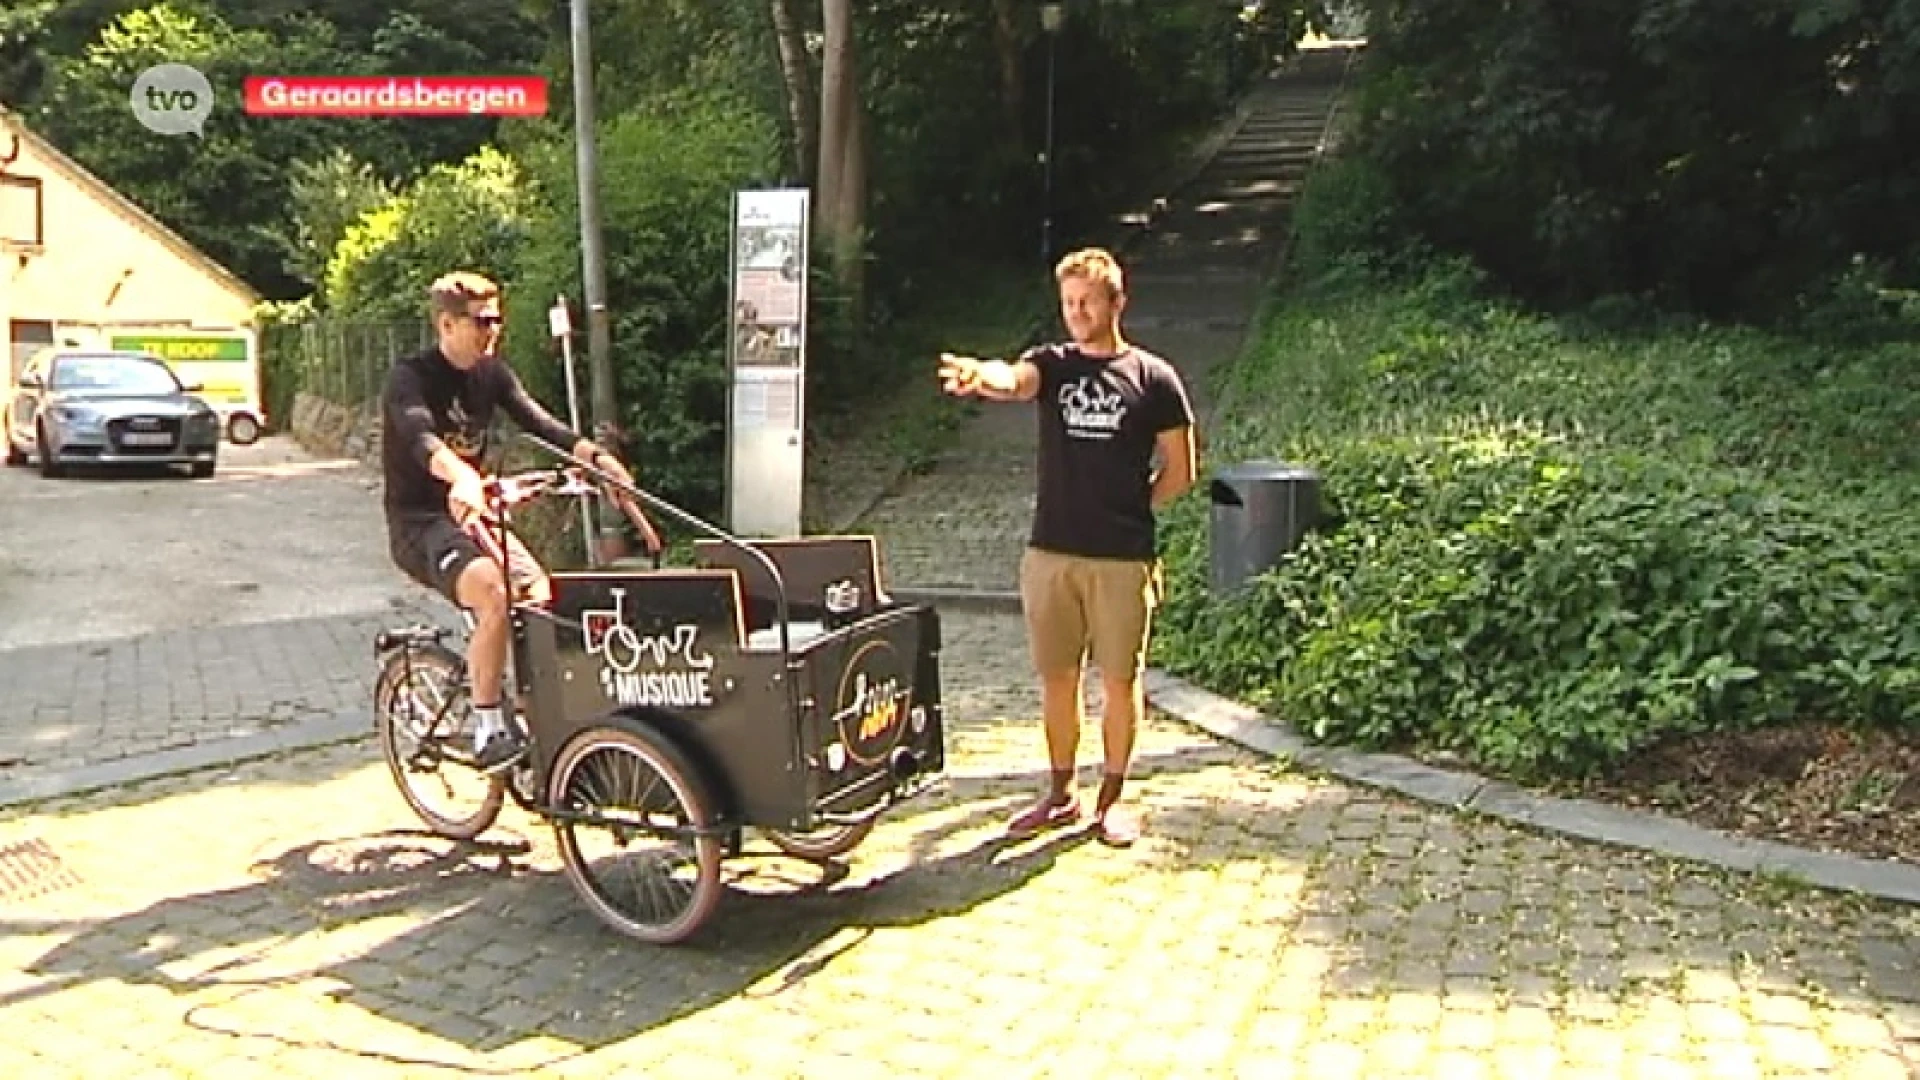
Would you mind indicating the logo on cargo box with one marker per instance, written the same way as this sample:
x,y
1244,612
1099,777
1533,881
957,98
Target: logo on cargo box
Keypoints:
x,y
870,710
668,670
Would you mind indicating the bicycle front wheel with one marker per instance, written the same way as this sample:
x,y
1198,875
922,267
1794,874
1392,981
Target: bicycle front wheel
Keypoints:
x,y
420,706
652,873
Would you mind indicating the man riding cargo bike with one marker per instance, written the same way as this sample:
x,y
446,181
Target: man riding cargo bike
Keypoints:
x,y
436,418
656,715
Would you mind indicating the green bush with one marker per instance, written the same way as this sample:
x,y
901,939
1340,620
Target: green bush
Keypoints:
x,y
1346,217
470,216
1546,548
281,373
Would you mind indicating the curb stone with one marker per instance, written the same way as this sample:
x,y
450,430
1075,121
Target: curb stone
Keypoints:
x,y
1583,819
1459,790
1221,717
345,726
992,601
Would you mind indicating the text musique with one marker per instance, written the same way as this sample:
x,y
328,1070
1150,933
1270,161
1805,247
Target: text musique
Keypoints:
x,y
666,689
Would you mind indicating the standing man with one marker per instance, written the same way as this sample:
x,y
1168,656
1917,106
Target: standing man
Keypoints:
x,y
1090,577
437,417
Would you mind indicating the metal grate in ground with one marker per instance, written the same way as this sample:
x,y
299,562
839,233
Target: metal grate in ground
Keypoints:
x,y
29,868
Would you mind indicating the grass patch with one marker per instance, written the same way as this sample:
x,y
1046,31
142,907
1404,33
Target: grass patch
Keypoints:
x,y
1551,543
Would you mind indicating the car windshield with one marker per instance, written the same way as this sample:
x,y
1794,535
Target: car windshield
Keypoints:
x,y
114,374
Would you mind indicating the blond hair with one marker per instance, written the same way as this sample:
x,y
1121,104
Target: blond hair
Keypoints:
x,y
1094,264
454,293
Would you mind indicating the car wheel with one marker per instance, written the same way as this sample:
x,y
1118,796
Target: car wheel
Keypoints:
x,y
15,455
202,470
49,467
243,429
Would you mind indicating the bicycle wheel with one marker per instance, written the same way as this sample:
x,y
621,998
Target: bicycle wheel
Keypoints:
x,y
819,845
652,883
420,702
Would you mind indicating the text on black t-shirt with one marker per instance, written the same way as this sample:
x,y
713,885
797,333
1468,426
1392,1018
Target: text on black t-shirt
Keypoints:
x,y
1099,418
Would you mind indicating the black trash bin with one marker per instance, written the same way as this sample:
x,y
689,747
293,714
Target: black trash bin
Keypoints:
x,y
1261,511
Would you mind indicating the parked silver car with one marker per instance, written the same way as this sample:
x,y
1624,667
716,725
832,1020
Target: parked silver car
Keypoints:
x,y
102,407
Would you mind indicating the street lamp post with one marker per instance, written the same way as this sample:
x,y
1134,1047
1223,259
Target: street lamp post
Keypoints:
x,y
592,254
1052,15
602,406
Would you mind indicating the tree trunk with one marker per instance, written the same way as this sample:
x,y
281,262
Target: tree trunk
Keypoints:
x,y
1006,44
836,20
851,215
801,108
839,188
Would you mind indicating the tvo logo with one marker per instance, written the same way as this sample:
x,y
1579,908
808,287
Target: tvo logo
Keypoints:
x,y
172,99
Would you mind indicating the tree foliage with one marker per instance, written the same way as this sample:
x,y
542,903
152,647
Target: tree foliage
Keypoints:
x,y
224,190
944,173
328,195
23,60
1716,155
230,192
472,215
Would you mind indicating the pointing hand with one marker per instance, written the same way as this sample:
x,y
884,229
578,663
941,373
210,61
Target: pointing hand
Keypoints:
x,y
959,375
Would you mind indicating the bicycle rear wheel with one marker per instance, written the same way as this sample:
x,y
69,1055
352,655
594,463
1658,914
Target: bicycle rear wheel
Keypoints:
x,y
632,795
421,703
829,842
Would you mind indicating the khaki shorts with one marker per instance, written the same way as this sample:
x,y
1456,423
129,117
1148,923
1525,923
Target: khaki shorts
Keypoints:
x,y
1078,608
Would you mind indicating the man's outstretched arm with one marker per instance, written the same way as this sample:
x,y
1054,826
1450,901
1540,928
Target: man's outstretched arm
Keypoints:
x,y
997,380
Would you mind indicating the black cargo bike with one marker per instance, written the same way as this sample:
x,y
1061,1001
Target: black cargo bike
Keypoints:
x,y
772,685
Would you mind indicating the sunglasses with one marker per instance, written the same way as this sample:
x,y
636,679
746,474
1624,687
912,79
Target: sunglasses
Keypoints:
x,y
487,322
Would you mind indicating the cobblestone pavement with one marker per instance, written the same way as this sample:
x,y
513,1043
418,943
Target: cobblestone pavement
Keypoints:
x,y
143,614
285,918
72,706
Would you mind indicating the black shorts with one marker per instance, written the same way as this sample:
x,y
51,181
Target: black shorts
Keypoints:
x,y
433,550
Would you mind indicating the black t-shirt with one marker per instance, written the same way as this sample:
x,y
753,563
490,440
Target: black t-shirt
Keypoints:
x,y
1099,417
429,403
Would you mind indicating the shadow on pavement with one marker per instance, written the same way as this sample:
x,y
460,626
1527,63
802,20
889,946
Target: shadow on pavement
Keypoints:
x,y
479,956
493,947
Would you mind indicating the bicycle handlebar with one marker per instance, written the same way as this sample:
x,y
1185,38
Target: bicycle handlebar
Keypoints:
x,y
516,489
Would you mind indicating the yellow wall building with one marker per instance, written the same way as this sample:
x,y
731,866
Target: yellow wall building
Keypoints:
x,y
80,264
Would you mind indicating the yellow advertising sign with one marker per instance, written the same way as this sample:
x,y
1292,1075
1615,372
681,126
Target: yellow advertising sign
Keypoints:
x,y
220,364
171,348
